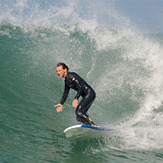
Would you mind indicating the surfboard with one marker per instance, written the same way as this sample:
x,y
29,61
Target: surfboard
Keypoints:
x,y
83,131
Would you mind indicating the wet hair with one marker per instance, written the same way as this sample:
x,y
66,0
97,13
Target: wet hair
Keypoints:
x,y
64,66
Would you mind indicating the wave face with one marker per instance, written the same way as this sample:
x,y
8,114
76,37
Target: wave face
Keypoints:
x,y
123,66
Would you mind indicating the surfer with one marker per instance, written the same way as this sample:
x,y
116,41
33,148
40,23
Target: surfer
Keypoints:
x,y
74,81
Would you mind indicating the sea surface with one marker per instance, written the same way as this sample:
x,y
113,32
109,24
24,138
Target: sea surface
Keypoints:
x,y
123,65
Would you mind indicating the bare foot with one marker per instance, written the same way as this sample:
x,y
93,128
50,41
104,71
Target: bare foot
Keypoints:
x,y
95,126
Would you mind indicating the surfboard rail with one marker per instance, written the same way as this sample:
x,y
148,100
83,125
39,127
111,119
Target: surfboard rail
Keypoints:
x,y
83,130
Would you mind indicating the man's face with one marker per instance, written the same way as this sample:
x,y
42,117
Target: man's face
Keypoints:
x,y
61,72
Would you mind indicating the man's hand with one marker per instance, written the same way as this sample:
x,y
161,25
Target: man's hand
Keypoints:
x,y
75,103
59,107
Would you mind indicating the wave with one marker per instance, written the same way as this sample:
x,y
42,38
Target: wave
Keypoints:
x,y
123,66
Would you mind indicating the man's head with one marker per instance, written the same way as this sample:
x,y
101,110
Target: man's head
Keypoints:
x,y
62,69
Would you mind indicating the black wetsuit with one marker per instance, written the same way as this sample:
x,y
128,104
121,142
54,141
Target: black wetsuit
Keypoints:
x,y
75,82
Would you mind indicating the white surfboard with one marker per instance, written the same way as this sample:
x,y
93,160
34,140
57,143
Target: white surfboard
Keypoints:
x,y
83,131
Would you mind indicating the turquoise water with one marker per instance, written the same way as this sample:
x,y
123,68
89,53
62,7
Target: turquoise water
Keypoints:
x,y
123,66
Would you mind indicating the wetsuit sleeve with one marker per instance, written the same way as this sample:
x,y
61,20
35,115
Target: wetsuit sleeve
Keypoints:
x,y
65,94
78,84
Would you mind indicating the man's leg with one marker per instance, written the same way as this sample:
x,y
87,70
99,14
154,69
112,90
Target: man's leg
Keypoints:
x,y
84,119
83,107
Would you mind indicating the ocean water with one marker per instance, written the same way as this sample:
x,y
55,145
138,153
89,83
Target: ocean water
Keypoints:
x,y
123,65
